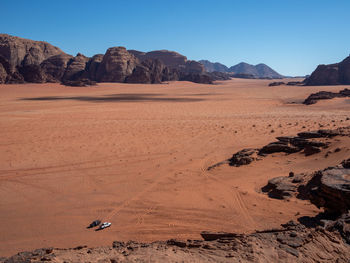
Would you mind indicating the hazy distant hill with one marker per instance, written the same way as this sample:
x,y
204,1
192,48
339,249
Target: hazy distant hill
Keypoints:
x,y
258,71
213,66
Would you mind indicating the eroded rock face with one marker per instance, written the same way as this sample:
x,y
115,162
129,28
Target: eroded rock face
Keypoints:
x,y
333,189
55,67
168,58
75,67
150,71
334,74
116,66
179,67
32,73
92,67
21,52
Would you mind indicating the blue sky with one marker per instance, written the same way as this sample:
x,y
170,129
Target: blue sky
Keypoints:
x,y
291,36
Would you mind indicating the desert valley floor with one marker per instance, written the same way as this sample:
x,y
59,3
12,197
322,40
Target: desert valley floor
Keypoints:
x,y
137,155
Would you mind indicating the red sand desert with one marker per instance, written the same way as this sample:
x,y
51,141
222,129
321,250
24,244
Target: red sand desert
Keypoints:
x,y
137,156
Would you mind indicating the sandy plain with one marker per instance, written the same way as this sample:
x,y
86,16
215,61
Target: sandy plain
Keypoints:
x,y
137,155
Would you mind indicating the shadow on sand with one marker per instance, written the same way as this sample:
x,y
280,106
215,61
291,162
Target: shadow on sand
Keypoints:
x,y
144,97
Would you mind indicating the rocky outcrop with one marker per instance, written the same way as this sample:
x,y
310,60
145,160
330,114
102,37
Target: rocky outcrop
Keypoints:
x,y
92,67
149,71
188,70
55,67
243,157
326,95
328,188
21,52
75,67
332,189
117,64
333,74
168,58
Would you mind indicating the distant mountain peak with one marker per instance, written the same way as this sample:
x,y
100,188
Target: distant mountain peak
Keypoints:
x,y
260,70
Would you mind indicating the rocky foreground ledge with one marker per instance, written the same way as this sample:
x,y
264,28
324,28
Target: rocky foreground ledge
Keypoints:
x,y
293,242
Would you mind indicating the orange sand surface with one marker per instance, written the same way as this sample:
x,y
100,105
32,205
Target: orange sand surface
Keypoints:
x,y
137,155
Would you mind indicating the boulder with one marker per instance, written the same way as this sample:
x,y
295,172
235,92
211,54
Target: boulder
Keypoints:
x,y
243,157
280,187
116,65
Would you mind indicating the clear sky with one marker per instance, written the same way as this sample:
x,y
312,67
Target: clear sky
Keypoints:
x,y
291,36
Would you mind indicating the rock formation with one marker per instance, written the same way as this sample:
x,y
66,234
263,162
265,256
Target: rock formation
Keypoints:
x,y
23,60
55,67
75,67
333,74
116,65
21,52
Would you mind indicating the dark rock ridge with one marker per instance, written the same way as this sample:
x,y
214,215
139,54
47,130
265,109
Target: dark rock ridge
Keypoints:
x,y
24,60
333,74
326,95
290,83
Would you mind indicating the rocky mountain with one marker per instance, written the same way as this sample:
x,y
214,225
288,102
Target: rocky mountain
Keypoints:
x,y
259,71
24,60
242,70
333,74
213,66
